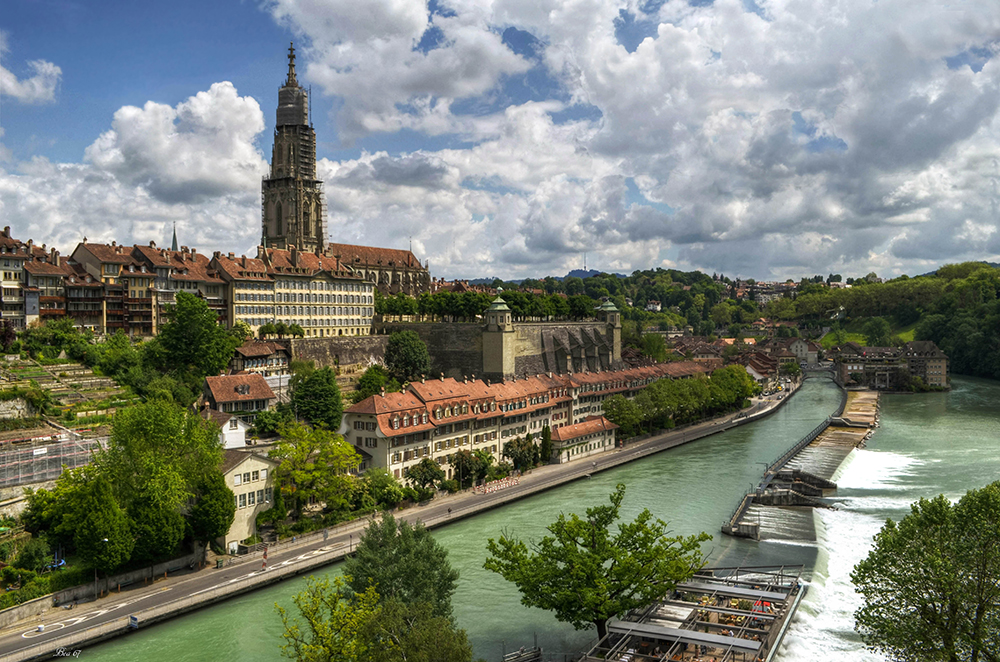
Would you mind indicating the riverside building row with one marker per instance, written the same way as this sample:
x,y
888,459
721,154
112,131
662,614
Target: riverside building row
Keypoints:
x,y
439,417
111,287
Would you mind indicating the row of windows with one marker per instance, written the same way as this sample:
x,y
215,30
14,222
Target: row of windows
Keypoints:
x,y
249,476
302,310
252,498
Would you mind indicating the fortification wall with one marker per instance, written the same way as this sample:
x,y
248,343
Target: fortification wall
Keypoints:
x,y
455,349
341,350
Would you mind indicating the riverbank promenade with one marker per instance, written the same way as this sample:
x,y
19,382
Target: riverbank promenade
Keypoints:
x,y
187,590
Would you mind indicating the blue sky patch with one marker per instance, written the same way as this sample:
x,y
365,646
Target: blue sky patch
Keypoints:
x,y
635,197
577,112
432,38
819,144
631,31
974,58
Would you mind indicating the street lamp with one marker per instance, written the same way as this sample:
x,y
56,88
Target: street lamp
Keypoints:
x,y
95,573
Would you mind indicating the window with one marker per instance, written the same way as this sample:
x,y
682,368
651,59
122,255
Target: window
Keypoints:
x,y
233,423
256,475
251,498
267,494
243,501
237,479
246,477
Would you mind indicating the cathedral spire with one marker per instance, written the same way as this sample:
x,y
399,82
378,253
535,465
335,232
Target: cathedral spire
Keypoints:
x,y
173,245
291,81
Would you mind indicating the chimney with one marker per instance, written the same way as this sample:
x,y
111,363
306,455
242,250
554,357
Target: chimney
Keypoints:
x,y
217,254
114,243
294,256
152,244
6,232
423,379
442,376
244,258
194,252
232,256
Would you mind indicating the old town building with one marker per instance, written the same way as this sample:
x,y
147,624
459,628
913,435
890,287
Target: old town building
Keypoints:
x,y
436,418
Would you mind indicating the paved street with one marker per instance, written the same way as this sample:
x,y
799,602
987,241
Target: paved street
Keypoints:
x,y
439,512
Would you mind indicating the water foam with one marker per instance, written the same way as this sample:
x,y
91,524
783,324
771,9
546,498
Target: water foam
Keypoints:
x,y
824,626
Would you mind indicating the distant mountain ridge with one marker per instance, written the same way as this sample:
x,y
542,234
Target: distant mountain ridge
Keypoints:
x,y
576,273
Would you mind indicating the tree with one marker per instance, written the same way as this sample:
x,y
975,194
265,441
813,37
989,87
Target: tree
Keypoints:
x,y
413,633
931,583
522,453
624,413
193,339
384,488
315,463
296,331
374,379
316,398
35,555
424,473
364,627
877,332
241,331
467,466
333,624
790,369
403,562
214,510
586,574
104,537
546,449
266,330
406,356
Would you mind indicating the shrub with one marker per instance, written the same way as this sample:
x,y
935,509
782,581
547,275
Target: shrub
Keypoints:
x,y
451,486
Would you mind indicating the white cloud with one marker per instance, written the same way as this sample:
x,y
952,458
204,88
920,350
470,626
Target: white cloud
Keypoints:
x,y
806,138
196,164
38,88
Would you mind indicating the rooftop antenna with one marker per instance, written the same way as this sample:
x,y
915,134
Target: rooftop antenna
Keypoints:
x,y
411,243
584,261
310,106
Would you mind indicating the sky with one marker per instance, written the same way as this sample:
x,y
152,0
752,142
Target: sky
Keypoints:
x,y
510,138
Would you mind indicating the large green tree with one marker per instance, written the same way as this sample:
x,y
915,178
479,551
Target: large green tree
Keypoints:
x,y
103,537
403,562
586,573
414,633
374,379
316,398
931,584
334,620
315,462
424,473
214,509
406,356
877,332
193,339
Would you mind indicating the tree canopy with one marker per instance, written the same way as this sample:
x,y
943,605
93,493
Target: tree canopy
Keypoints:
x,y
586,573
931,584
374,379
406,356
315,462
194,339
316,398
403,562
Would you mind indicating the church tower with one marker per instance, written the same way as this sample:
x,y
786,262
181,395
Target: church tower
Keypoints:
x,y
293,207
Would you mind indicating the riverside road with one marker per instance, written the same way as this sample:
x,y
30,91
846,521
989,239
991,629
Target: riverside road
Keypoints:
x,y
69,628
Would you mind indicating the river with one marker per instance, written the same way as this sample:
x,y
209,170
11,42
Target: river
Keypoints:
x,y
928,444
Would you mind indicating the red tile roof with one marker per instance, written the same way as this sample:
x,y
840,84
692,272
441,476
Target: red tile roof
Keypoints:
x,y
254,348
225,388
369,255
592,425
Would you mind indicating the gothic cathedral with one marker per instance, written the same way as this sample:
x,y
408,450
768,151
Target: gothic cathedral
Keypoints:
x,y
294,210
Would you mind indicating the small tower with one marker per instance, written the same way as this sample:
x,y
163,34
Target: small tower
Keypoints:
x,y
608,313
173,244
498,341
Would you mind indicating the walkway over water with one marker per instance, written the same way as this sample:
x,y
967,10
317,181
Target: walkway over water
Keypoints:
x,y
780,507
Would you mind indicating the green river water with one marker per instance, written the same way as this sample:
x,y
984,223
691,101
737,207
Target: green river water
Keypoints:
x,y
928,444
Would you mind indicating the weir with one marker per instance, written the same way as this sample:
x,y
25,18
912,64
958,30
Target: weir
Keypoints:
x,y
780,506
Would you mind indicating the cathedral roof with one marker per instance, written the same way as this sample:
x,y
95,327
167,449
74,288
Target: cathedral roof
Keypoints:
x,y
368,255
